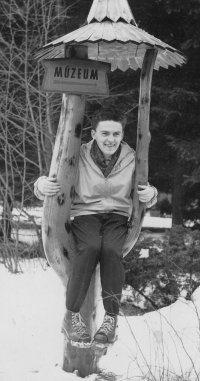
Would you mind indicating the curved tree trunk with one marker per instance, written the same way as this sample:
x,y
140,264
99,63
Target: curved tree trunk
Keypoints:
x,y
142,148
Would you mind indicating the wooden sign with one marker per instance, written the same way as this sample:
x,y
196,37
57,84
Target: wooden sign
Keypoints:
x,y
75,76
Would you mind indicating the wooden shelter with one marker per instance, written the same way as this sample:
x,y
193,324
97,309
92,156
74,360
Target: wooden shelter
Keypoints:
x,y
111,35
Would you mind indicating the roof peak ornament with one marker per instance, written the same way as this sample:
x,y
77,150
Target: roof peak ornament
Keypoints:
x,y
112,10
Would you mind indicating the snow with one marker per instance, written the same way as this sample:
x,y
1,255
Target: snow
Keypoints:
x,y
157,222
144,253
157,345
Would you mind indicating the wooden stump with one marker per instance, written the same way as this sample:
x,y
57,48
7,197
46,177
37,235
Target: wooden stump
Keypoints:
x,y
85,360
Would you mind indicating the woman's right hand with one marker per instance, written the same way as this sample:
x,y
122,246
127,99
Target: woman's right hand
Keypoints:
x,y
48,186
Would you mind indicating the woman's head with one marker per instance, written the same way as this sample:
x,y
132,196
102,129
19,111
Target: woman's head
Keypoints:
x,y
108,114
108,131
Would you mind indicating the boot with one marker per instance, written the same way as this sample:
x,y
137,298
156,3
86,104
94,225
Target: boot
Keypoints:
x,y
107,333
74,328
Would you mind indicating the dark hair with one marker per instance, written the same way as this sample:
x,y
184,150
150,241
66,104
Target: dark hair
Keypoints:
x,y
108,114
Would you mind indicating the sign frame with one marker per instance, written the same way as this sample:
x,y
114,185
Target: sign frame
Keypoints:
x,y
76,76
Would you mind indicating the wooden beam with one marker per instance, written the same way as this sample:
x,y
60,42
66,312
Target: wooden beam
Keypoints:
x,y
142,149
56,227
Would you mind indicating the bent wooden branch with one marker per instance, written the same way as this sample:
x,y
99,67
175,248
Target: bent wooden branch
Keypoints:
x,y
142,148
56,227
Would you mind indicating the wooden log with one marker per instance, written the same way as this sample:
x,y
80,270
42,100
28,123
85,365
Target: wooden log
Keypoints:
x,y
56,228
142,149
85,360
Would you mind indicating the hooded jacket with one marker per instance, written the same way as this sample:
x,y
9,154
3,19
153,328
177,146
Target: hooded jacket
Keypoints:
x,y
96,194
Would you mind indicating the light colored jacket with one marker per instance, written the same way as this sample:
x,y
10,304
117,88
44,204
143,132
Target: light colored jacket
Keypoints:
x,y
96,194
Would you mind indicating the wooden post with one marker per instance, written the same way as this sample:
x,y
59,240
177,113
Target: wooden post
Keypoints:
x,y
142,148
56,228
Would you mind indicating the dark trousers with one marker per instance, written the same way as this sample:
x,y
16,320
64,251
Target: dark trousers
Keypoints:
x,y
99,238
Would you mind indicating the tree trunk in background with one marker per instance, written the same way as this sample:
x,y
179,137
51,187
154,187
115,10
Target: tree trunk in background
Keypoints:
x,y
178,193
5,227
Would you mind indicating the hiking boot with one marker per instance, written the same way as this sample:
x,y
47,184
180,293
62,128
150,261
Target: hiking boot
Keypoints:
x,y
107,332
74,327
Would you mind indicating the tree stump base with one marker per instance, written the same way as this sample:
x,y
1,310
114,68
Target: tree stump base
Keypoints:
x,y
85,360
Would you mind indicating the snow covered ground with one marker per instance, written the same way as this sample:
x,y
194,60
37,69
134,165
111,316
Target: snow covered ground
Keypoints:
x,y
158,345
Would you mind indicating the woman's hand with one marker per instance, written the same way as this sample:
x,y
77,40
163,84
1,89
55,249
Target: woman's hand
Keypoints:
x,y
48,186
145,192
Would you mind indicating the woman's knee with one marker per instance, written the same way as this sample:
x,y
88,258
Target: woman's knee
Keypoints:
x,y
91,248
112,252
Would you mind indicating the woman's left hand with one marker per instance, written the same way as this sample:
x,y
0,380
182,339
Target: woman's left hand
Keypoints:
x,y
145,192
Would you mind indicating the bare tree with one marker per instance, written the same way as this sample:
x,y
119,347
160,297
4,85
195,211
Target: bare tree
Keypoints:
x,y
27,116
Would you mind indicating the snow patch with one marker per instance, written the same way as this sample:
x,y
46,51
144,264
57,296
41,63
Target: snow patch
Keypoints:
x,y
32,307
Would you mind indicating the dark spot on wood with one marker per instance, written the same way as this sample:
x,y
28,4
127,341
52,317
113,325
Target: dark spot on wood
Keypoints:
x,y
78,130
145,100
94,314
72,161
67,227
143,74
72,191
140,136
48,231
59,155
65,253
142,214
61,199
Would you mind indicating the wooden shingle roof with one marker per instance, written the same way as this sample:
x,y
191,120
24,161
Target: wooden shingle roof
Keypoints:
x,y
112,35
113,10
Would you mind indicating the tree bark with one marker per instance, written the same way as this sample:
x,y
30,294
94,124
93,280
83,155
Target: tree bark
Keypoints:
x,y
6,225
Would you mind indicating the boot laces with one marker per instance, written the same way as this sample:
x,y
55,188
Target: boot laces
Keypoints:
x,y
108,325
78,324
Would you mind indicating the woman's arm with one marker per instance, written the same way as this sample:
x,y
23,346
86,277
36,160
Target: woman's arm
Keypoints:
x,y
148,194
46,186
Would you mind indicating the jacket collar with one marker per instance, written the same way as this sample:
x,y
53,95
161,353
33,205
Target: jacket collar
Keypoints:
x,y
126,156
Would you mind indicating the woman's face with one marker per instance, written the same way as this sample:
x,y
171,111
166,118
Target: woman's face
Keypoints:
x,y
108,136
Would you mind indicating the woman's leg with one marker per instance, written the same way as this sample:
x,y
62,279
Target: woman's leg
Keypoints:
x,y
86,231
114,232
